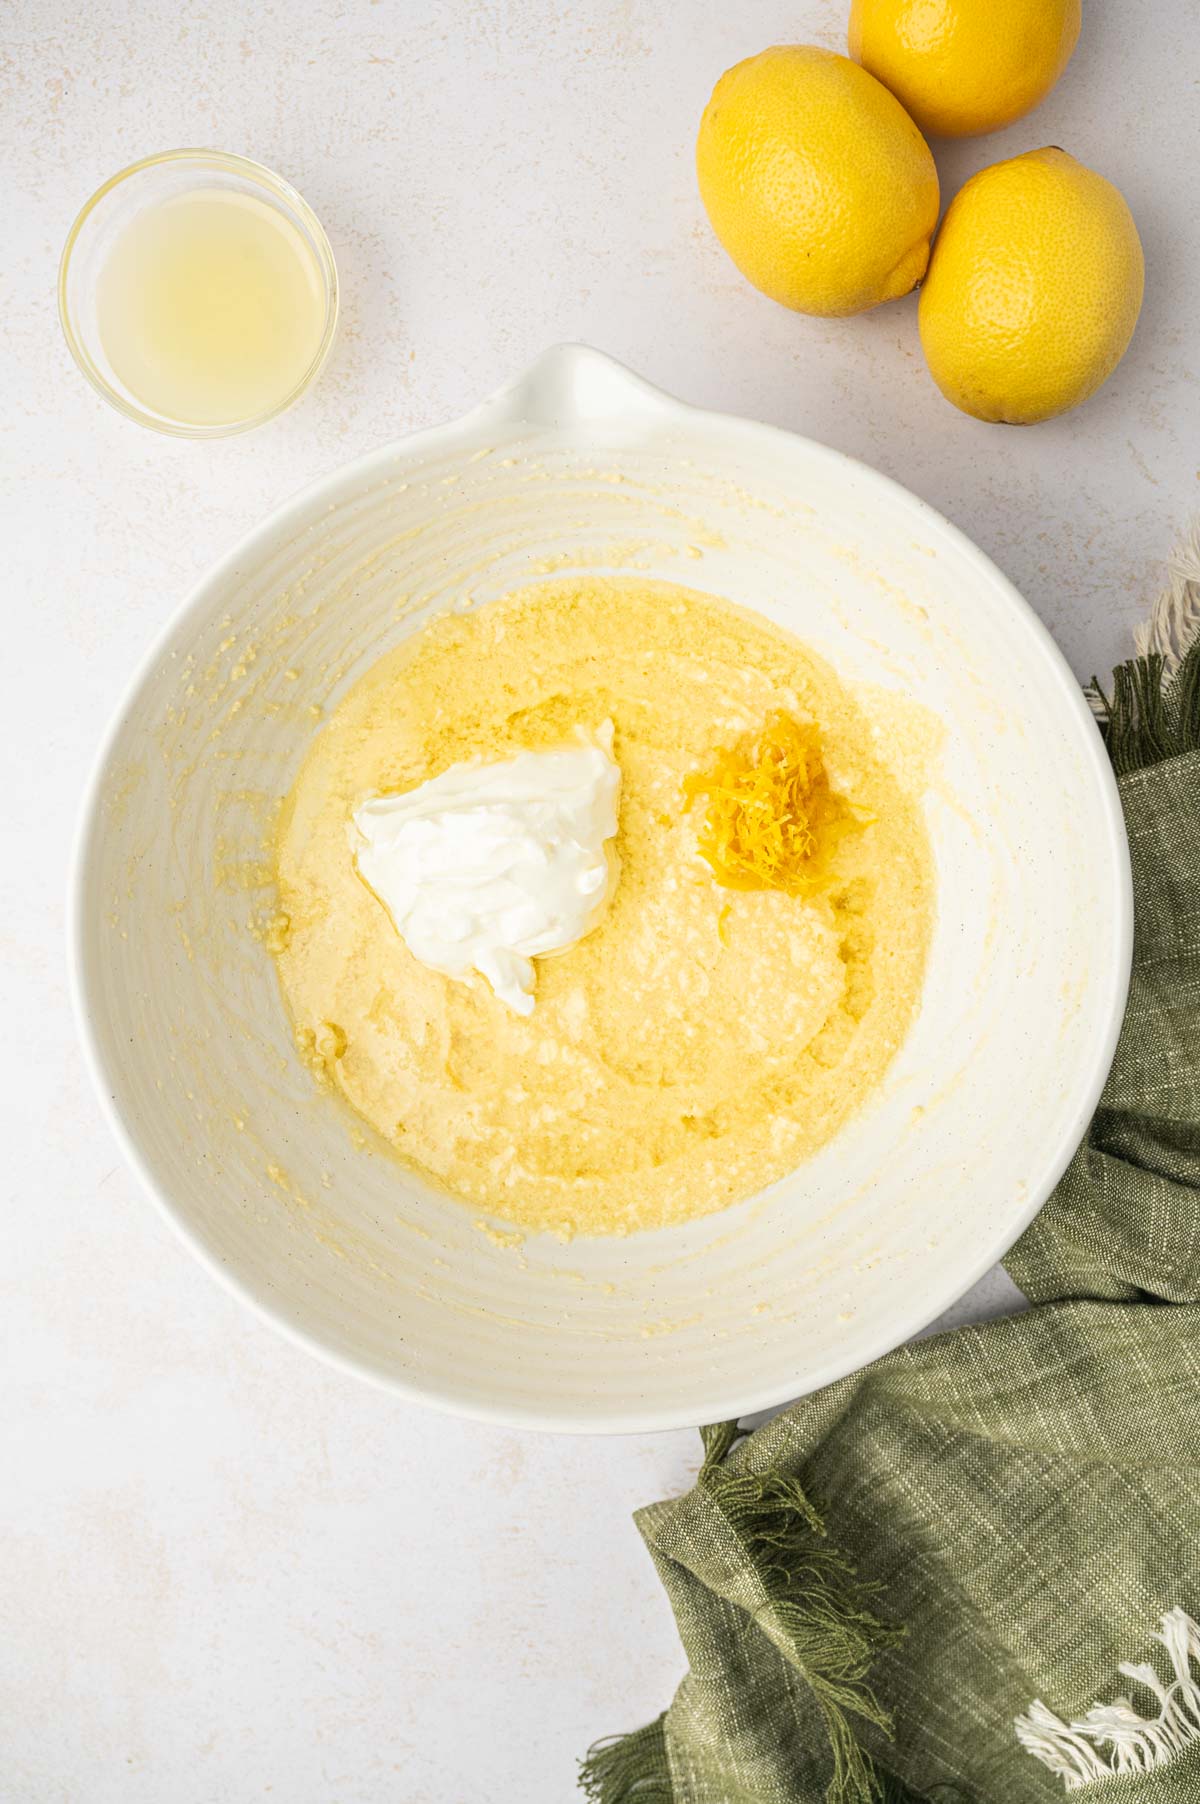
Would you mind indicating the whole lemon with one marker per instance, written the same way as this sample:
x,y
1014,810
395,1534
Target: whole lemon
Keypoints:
x,y
964,66
816,181
1033,290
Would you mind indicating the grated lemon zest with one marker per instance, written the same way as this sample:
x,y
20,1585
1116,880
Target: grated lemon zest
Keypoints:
x,y
771,818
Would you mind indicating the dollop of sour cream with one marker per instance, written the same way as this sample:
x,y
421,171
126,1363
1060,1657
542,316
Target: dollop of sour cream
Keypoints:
x,y
489,866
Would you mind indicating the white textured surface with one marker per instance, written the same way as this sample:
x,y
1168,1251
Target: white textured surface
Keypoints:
x,y
228,1573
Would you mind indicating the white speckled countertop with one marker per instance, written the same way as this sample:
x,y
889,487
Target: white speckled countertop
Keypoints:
x,y
228,1572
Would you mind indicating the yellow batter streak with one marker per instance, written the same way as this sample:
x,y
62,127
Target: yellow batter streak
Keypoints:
x,y
701,1041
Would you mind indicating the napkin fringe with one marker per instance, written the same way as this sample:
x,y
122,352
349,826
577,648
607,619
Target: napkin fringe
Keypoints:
x,y
629,1769
1174,620
1153,711
1135,1744
815,1609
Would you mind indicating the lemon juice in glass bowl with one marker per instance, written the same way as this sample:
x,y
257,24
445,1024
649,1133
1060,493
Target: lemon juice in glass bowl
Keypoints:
x,y
198,293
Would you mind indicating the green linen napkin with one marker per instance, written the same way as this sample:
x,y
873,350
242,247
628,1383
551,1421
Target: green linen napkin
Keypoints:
x,y
971,1571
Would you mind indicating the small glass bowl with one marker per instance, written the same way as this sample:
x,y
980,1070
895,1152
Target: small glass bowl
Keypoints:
x,y
111,208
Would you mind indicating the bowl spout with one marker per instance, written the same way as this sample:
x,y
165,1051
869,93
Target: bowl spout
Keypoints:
x,y
572,385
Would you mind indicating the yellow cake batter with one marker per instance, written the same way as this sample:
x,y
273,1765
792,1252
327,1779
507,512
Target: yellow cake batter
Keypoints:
x,y
702,1040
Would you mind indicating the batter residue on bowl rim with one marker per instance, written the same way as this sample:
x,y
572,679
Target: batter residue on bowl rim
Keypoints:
x,y
701,1041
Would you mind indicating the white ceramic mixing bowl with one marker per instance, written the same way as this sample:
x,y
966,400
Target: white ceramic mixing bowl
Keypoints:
x,y
581,465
